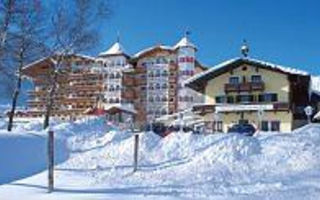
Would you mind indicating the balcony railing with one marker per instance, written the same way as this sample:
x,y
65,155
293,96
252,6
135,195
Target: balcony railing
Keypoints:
x,y
128,81
128,94
244,87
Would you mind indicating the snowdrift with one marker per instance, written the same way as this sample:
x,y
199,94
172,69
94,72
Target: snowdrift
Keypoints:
x,y
183,164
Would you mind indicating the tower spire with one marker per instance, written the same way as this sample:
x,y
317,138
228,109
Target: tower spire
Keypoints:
x,y
187,32
245,48
118,36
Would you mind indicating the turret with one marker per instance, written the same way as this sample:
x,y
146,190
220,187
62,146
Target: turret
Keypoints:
x,y
185,53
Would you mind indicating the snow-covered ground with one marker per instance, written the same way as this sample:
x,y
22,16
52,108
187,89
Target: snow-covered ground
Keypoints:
x,y
94,161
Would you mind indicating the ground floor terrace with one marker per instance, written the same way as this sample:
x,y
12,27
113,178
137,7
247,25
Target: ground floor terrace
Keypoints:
x,y
264,117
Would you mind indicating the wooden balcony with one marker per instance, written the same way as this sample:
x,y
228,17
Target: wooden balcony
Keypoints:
x,y
173,67
128,80
141,70
244,87
128,94
173,80
141,81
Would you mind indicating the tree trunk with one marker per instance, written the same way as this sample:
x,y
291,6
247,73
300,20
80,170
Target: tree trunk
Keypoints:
x,y
16,91
50,101
54,83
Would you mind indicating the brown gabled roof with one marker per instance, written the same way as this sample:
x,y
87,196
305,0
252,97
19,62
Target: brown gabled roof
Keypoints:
x,y
46,62
198,81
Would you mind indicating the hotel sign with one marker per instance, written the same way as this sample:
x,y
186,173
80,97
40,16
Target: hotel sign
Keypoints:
x,y
251,107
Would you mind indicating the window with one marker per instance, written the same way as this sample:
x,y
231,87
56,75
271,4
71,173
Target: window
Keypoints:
x,y
230,99
164,86
151,86
234,80
256,79
275,126
271,97
264,126
164,112
220,99
158,73
165,73
217,126
158,99
150,99
164,99
244,98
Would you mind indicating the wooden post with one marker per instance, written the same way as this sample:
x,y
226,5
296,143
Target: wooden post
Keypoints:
x,y
50,160
135,156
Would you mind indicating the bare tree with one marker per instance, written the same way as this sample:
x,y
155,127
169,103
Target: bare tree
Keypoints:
x,y
71,31
23,45
6,12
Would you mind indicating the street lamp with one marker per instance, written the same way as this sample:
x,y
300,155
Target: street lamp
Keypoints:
x,y
308,111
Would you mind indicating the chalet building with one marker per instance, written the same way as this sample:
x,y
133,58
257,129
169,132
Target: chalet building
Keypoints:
x,y
149,83
79,86
246,90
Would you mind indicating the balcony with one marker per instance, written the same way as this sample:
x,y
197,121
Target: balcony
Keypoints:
x,y
141,70
173,67
141,81
128,94
244,87
128,81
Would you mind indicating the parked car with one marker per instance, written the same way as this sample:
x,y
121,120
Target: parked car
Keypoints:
x,y
243,129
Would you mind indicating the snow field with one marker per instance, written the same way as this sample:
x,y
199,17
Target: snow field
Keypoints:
x,y
184,165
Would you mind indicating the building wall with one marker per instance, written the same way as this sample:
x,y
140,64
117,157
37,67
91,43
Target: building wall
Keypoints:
x,y
274,82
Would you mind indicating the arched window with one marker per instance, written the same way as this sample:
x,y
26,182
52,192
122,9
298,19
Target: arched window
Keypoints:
x,y
111,88
165,73
111,76
118,75
164,86
151,86
164,112
151,99
158,73
151,74
118,88
158,86
117,100
164,99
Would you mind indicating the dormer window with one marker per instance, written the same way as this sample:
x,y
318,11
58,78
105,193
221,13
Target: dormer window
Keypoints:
x,y
234,80
256,78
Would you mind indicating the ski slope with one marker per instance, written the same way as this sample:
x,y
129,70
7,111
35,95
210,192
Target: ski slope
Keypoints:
x,y
94,161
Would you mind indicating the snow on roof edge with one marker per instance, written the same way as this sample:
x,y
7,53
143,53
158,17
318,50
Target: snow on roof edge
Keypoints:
x,y
227,62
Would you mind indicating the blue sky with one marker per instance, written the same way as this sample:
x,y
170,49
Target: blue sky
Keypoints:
x,y
282,31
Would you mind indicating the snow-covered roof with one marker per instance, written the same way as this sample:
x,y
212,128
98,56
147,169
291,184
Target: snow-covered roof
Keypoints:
x,y
184,42
315,85
283,69
115,49
163,47
123,107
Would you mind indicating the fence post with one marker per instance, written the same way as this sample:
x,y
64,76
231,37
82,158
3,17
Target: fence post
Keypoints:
x,y
136,148
50,160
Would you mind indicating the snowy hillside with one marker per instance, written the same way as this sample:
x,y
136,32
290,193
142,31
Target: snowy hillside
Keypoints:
x,y
96,163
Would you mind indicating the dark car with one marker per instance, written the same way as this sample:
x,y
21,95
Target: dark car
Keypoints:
x,y
243,129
